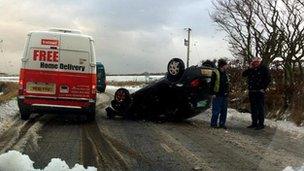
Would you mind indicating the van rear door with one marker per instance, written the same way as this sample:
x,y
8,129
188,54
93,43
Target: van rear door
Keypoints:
x,y
75,73
41,61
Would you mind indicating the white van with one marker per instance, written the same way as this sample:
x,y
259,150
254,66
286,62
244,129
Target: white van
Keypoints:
x,y
58,73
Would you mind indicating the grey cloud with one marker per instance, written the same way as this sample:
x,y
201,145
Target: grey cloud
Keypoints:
x,y
131,36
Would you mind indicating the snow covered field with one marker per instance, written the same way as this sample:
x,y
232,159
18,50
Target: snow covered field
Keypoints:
x,y
140,78
9,79
112,89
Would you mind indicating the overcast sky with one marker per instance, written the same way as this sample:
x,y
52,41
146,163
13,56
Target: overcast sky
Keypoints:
x,y
131,36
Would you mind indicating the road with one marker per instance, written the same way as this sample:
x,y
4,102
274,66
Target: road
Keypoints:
x,y
139,145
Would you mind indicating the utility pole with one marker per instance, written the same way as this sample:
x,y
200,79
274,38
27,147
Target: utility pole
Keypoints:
x,y
187,43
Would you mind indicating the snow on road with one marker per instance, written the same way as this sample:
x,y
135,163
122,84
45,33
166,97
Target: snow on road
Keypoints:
x,y
234,117
8,113
289,168
15,161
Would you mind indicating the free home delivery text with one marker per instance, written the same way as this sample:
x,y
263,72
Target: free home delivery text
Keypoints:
x,y
48,57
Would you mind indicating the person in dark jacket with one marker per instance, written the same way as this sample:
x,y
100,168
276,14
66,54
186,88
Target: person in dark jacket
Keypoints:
x,y
258,79
220,97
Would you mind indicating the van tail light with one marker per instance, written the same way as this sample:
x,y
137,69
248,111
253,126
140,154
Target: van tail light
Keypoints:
x,y
93,89
20,91
195,83
94,82
21,82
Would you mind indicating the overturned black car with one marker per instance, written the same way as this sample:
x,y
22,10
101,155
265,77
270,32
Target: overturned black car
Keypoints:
x,y
181,94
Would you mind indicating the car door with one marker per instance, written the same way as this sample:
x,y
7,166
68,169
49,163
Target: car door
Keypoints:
x,y
75,79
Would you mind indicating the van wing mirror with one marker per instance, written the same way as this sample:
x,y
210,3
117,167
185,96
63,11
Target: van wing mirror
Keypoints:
x,y
92,64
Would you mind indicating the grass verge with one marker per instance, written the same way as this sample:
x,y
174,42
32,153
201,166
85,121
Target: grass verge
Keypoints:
x,y
9,90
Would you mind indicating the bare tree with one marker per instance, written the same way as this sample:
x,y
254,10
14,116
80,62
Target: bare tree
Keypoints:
x,y
292,28
251,27
266,28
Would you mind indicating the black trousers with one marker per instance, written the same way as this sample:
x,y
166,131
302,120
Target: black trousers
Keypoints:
x,y
257,104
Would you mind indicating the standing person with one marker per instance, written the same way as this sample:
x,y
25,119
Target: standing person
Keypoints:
x,y
220,97
258,79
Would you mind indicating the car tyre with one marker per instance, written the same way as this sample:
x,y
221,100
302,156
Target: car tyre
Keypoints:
x,y
175,69
91,114
24,110
24,114
122,95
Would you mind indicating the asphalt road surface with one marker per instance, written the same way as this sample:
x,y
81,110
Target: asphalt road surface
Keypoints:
x,y
139,145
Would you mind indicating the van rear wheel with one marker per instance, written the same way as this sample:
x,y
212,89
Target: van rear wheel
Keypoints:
x,y
24,110
25,114
91,114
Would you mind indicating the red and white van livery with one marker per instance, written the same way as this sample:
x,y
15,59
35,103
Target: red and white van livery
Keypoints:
x,y
58,72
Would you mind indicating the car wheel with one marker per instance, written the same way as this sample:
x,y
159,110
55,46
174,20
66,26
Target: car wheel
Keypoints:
x,y
122,95
121,100
175,69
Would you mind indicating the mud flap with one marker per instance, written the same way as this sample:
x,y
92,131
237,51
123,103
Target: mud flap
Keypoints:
x,y
24,110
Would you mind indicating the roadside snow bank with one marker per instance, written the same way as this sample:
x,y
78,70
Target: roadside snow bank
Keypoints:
x,y
15,161
285,126
289,168
233,116
8,111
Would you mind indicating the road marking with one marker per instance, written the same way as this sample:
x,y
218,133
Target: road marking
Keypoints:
x,y
167,148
